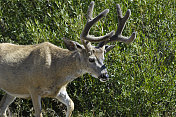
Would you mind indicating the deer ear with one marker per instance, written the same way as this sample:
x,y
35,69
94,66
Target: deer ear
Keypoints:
x,y
108,48
72,45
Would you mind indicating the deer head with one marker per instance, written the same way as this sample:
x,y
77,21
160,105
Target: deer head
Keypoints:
x,y
92,57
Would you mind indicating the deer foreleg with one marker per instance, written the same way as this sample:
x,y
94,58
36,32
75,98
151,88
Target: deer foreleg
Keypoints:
x,y
36,100
5,102
65,99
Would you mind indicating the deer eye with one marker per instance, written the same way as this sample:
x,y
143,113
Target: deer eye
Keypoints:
x,y
91,60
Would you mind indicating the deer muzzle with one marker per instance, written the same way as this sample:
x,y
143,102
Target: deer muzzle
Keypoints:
x,y
104,77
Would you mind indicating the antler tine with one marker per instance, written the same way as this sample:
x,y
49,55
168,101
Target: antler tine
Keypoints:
x,y
90,11
122,21
118,35
90,22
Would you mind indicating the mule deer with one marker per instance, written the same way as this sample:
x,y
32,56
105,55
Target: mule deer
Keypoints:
x,y
44,70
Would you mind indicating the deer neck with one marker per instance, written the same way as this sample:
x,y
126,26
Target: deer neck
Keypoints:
x,y
70,67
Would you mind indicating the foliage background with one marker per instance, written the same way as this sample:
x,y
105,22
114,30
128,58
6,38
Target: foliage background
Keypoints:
x,y
142,74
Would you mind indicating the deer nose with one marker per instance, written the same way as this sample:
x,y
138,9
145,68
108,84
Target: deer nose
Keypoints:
x,y
104,77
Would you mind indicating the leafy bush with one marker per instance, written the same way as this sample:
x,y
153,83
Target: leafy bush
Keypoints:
x,y
142,74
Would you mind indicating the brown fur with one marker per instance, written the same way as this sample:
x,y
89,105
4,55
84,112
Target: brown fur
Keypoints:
x,y
38,66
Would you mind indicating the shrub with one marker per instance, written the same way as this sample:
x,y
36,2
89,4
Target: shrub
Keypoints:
x,y
142,74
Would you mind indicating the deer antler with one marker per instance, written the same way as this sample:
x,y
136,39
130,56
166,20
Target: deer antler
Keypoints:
x,y
118,35
90,22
